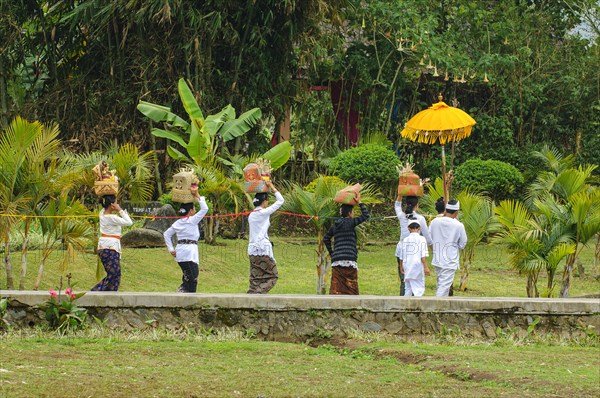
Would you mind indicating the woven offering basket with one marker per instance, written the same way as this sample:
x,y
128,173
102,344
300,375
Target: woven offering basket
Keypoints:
x,y
106,187
182,184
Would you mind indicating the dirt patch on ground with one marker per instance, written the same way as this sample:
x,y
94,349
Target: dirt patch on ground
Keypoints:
x,y
405,357
463,374
409,358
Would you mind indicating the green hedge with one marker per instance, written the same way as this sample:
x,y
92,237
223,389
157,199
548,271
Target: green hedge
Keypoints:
x,y
374,163
500,180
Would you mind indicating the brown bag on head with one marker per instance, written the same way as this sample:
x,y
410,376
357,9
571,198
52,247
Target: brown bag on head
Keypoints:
x,y
349,195
182,184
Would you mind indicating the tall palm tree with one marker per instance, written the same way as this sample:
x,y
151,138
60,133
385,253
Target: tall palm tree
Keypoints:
x,y
320,205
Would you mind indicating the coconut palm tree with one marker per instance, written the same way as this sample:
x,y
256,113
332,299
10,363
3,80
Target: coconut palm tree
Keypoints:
x,y
319,204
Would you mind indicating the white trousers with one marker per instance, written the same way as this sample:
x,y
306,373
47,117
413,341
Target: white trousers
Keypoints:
x,y
445,278
414,287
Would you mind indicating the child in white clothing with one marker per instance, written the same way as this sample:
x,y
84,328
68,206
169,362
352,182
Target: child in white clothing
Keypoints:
x,y
414,261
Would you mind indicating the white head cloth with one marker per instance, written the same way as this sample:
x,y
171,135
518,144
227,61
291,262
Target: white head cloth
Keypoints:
x,y
455,206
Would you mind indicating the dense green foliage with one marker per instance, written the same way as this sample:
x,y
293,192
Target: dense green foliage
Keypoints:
x,y
372,163
497,179
525,70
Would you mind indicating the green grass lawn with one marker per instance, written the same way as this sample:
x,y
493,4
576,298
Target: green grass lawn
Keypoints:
x,y
170,367
224,268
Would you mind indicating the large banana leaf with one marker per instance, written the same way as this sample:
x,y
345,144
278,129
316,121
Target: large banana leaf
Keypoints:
x,y
215,122
175,154
279,154
189,101
199,146
172,135
240,126
159,113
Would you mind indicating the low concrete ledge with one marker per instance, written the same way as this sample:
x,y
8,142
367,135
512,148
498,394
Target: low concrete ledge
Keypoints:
x,y
285,302
298,316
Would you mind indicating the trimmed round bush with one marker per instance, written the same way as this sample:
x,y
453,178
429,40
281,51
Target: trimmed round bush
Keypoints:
x,y
500,180
374,163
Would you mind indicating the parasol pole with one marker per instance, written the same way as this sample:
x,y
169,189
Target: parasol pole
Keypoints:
x,y
444,174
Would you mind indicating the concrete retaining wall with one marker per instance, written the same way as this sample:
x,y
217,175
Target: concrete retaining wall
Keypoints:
x,y
297,317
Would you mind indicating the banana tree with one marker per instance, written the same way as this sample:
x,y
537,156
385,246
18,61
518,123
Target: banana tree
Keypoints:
x,y
319,204
200,136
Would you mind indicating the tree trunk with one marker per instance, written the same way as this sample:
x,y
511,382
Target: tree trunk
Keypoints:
x,y
38,280
597,258
464,270
23,274
550,285
532,290
10,284
3,95
322,265
566,281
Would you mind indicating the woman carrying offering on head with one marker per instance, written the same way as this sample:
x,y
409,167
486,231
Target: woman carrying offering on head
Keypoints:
x,y
344,253
263,270
112,219
187,232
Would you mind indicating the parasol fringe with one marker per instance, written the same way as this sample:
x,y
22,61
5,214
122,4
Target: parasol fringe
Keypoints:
x,y
430,137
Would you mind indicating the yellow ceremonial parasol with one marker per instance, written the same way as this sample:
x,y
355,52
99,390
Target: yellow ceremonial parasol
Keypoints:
x,y
439,122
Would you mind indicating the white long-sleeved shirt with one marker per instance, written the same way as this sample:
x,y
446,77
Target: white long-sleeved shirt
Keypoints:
x,y
449,237
414,248
110,224
186,229
404,232
259,222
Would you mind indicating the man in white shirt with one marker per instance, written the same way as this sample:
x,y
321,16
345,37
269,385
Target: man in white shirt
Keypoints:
x,y
449,237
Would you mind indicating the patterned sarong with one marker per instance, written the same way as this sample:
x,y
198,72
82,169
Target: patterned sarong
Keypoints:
x,y
344,280
111,260
263,274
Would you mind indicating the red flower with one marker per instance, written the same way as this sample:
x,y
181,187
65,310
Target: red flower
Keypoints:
x,y
73,296
53,293
69,291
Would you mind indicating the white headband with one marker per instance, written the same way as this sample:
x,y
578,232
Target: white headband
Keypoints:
x,y
455,206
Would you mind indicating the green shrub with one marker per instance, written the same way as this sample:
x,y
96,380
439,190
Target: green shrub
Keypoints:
x,y
498,179
331,180
374,163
